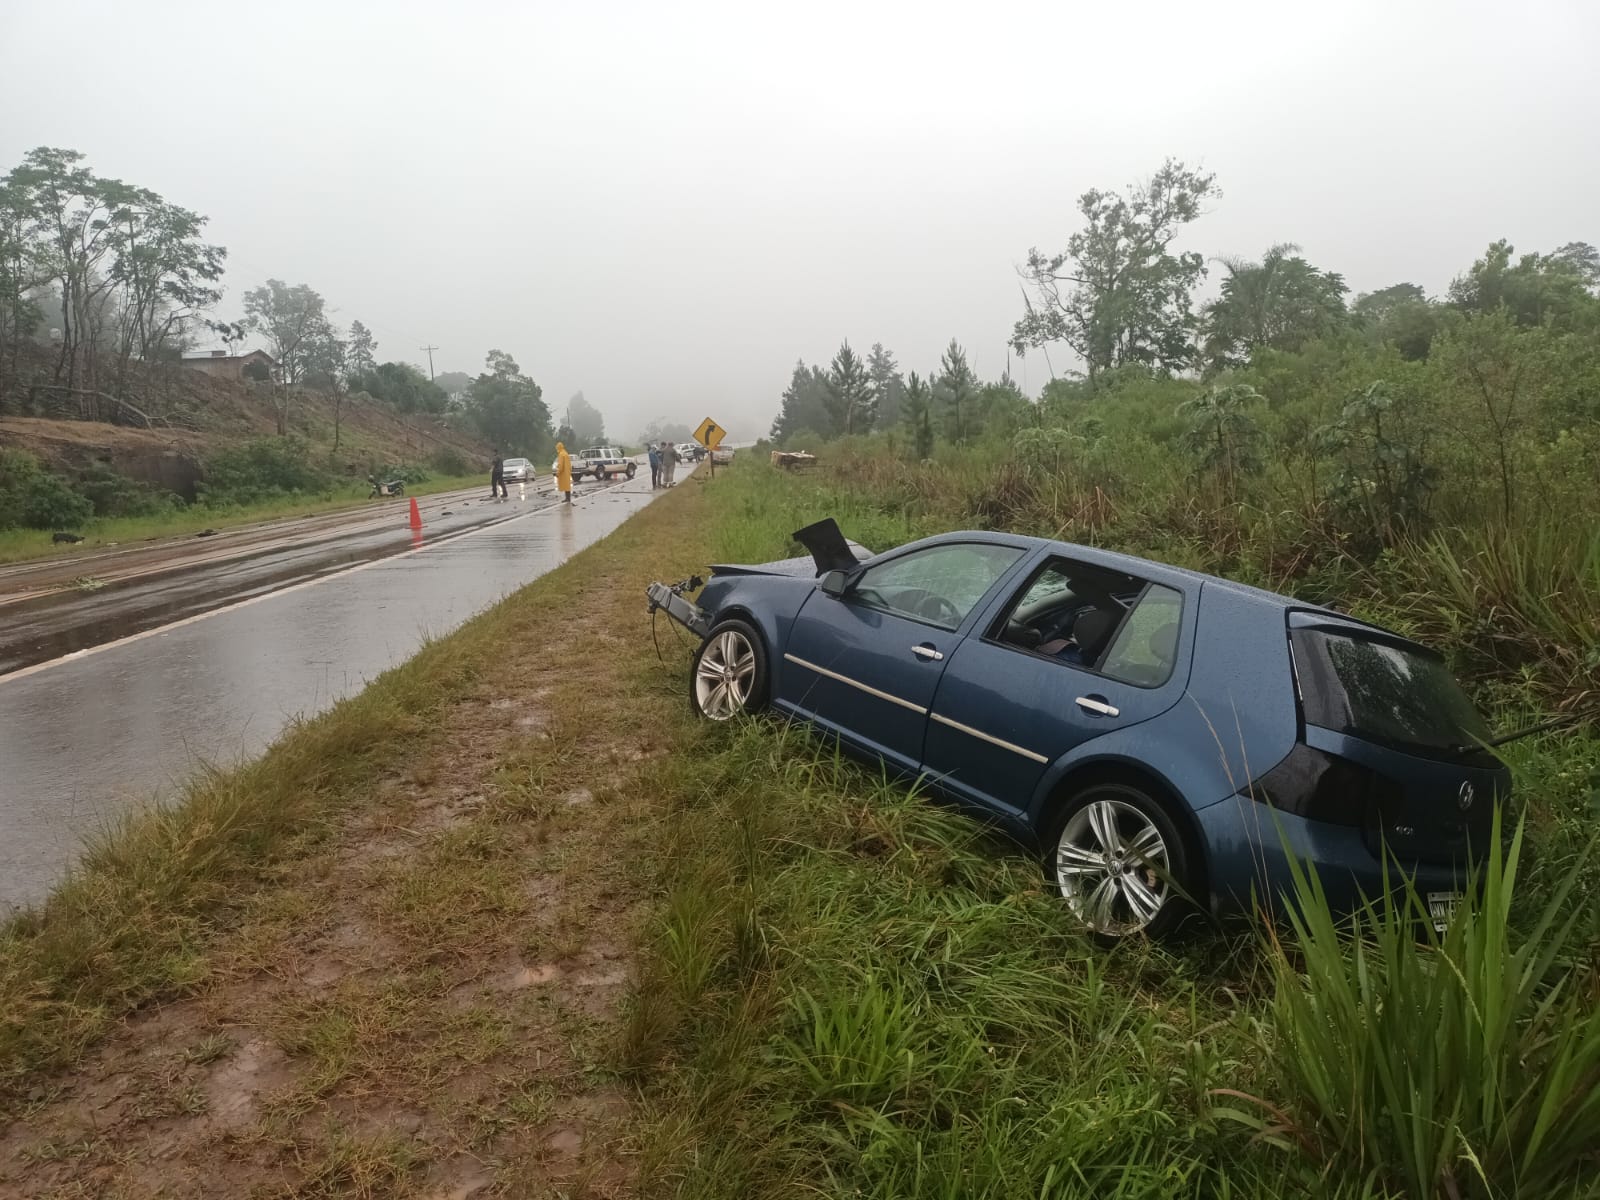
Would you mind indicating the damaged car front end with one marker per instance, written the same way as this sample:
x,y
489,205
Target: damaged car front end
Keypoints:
x,y
1170,740
731,672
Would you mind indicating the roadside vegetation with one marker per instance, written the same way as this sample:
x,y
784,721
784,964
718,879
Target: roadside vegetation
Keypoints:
x,y
852,991
1428,462
254,481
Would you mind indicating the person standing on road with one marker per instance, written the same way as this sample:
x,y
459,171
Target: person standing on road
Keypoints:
x,y
655,466
564,473
669,463
497,479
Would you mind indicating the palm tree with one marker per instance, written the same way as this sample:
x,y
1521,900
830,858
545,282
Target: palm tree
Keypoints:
x,y
1280,302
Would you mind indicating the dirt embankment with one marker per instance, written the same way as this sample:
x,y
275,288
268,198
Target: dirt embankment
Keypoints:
x,y
167,458
192,414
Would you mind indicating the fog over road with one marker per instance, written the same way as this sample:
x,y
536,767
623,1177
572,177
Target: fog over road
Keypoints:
x,y
209,663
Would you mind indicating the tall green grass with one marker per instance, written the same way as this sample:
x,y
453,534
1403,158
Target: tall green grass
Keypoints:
x,y
854,992
1523,599
1461,1065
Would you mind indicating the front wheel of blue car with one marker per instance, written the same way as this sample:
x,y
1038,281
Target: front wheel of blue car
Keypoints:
x,y
729,673
1119,862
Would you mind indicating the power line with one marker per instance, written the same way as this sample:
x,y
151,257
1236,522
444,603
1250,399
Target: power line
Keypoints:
x,y
430,350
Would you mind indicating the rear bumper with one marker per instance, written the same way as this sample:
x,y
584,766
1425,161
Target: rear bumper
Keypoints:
x,y
1249,845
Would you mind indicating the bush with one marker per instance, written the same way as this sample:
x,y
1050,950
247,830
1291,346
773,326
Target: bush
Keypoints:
x,y
447,460
261,470
34,498
115,495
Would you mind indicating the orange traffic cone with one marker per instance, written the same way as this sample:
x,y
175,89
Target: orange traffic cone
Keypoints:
x,y
416,514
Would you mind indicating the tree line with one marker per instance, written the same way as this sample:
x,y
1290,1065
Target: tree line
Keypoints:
x,y
107,272
1120,296
857,396
97,275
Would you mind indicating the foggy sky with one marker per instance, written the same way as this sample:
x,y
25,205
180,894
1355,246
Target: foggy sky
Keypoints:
x,y
665,204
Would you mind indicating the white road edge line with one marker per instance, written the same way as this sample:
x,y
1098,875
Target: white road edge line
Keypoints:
x,y
24,672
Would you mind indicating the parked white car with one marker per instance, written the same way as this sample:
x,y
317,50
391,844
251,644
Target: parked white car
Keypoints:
x,y
518,470
601,462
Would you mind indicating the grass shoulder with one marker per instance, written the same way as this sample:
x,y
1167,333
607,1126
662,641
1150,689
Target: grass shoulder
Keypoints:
x,y
426,894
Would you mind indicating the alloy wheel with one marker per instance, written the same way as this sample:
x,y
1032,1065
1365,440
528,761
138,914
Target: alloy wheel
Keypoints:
x,y
724,675
1112,867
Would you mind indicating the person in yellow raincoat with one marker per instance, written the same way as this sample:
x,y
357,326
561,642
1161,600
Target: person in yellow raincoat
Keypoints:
x,y
564,473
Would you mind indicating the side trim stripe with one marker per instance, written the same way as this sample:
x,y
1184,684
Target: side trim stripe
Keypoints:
x,y
871,691
990,738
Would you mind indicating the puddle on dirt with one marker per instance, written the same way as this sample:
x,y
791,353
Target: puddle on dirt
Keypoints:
x,y
239,1083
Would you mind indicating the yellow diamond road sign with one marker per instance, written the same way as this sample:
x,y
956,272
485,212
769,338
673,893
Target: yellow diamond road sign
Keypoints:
x,y
710,434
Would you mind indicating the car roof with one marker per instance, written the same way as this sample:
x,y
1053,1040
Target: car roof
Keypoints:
x,y
1129,564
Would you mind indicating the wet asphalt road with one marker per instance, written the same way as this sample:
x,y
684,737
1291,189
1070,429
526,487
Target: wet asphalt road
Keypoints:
x,y
208,666
43,616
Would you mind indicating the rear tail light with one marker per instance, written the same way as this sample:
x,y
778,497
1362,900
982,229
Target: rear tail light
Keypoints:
x,y
1323,787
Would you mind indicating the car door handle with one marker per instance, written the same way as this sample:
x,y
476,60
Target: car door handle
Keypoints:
x,y
1098,706
928,652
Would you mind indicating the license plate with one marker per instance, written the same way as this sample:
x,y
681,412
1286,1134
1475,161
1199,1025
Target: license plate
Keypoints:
x,y
1442,907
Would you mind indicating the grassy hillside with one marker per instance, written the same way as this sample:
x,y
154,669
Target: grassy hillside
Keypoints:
x,y
191,452
191,414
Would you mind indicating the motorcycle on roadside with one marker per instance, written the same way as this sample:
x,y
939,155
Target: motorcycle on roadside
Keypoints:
x,y
392,487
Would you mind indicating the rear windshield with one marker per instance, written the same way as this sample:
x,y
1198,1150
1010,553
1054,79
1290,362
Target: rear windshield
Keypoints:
x,y
1383,692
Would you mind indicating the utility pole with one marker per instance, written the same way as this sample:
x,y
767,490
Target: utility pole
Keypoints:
x,y
430,350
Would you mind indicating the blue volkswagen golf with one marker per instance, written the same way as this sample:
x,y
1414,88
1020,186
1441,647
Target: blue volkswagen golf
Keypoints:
x,y
1165,737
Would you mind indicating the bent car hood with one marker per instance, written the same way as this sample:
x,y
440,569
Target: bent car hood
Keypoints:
x,y
830,551
804,567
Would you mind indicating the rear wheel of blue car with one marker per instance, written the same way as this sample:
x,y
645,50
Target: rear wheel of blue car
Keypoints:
x,y
729,674
1119,861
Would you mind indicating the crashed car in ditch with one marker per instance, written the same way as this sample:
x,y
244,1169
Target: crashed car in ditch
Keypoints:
x,y
1166,738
